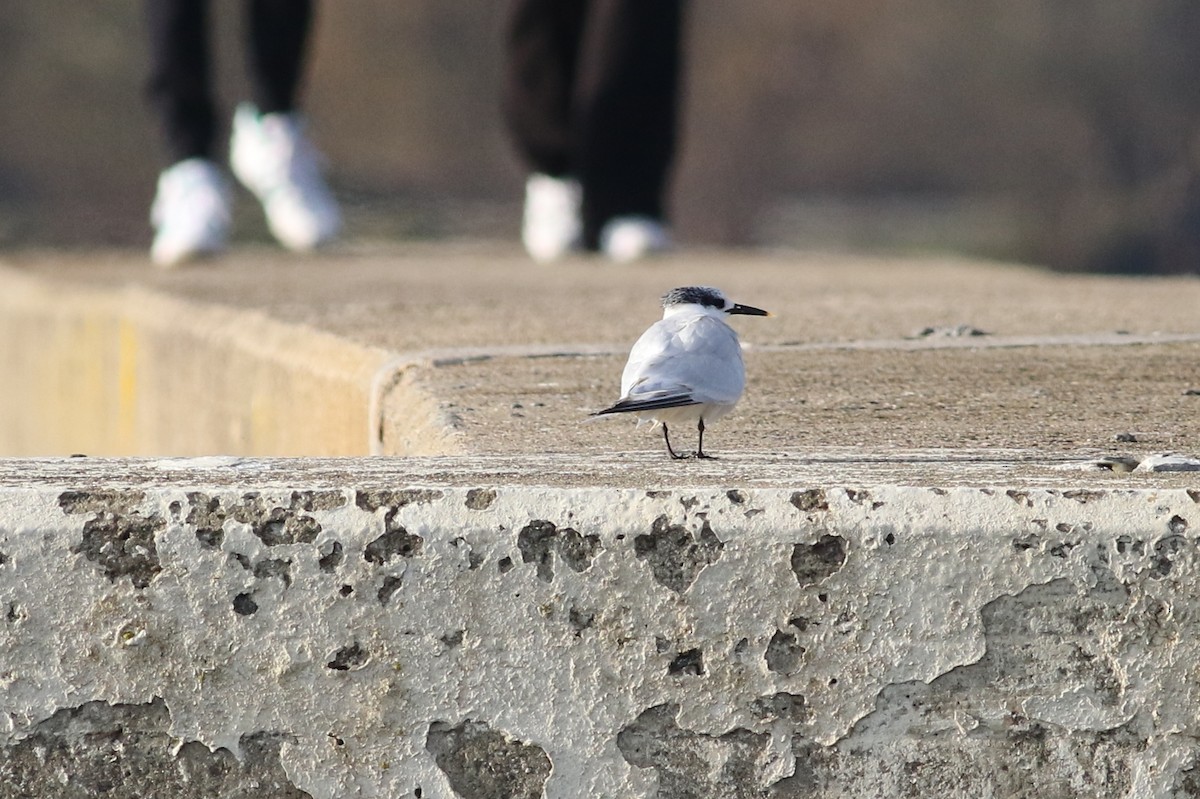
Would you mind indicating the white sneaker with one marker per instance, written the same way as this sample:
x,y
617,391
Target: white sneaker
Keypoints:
x,y
551,227
628,238
272,157
190,213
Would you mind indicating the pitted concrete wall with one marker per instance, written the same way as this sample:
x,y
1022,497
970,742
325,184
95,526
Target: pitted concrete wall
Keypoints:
x,y
482,642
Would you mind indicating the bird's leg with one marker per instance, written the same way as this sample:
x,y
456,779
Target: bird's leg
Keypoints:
x,y
700,445
667,439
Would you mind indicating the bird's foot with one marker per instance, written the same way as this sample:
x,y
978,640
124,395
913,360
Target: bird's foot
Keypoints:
x,y
704,456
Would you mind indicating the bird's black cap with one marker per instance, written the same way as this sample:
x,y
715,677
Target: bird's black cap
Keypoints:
x,y
695,295
709,297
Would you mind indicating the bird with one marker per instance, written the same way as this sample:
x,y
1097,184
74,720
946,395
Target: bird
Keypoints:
x,y
686,367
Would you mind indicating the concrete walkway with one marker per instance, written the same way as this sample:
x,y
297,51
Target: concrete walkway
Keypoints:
x,y
900,369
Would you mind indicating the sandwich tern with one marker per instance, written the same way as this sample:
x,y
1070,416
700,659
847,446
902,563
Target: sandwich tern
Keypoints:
x,y
686,367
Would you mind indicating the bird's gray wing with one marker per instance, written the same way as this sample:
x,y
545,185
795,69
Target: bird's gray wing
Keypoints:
x,y
697,359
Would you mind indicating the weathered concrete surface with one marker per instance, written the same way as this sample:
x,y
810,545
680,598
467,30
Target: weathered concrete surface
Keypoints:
x,y
354,628
924,565
450,350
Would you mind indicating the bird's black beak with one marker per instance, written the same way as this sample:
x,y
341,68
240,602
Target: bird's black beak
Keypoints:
x,y
748,310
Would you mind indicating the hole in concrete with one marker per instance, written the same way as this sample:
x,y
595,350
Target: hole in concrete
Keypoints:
x,y
244,605
394,543
1165,550
482,763
1062,549
451,640
210,538
346,590
689,662
1126,543
208,517
1026,542
675,555
785,706
741,646
1020,497
736,497
348,657
783,653
691,764
390,586
577,550
822,597
810,500
504,565
580,620
274,567
540,539
118,537
480,498
812,563
119,750
274,524
331,557
1178,525
889,539
372,501
857,496
1083,496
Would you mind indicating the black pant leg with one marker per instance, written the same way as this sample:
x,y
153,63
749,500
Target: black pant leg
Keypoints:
x,y
278,38
180,85
626,108
541,45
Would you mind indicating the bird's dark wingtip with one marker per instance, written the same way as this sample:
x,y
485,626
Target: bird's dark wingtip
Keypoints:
x,y
658,404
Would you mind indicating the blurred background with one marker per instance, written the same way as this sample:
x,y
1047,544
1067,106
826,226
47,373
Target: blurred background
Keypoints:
x,y
1059,132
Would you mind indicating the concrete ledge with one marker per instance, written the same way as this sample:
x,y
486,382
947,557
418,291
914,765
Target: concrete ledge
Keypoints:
x,y
131,371
240,621
449,350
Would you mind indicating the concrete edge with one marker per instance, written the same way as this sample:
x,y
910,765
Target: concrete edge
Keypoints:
x,y
133,371
404,640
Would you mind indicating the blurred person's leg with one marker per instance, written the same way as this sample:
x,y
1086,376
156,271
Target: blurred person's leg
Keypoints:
x,y
625,108
190,212
591,104
270,152
180,84
541,47
541,50
278,33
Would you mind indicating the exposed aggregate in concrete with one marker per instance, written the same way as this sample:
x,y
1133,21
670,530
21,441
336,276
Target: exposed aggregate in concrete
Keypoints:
x,y
490,642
